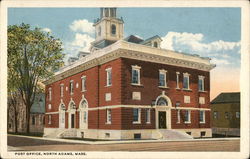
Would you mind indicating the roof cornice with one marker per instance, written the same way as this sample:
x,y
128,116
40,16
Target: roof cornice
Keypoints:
x,y
132,51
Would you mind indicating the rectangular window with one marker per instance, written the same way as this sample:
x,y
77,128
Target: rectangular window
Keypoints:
x,y
237,114
186,81
83,83
61,90
201,83
136,115
162,78
136,75
178,116
33,120
202,116
177,80
109,77
41,119
187,116
108,116
49,120
215,115
147,115
71,87
50,94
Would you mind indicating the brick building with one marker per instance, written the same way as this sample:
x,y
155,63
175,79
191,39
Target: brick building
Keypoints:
x,y
129,88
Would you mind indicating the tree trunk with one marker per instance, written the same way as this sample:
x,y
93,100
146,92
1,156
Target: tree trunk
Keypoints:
x,y
27,118
15,119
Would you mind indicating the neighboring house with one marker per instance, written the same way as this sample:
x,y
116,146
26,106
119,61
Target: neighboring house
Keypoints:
x,y
225,116
129,88
36,115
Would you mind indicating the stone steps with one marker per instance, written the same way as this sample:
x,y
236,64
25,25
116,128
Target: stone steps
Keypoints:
x,y
174,135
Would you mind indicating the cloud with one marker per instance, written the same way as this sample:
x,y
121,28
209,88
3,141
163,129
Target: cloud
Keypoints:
x,y
46,30
82,26
221,52
220,61
81,42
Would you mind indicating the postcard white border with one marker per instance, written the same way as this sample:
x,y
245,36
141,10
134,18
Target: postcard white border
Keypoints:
x,y
244,78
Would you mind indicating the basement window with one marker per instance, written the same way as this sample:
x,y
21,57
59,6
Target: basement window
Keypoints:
x,y
203,133
189,133
137,136
107,135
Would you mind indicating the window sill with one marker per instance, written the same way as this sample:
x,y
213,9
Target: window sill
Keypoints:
x,y
184,89
202,91
178,122
84,90
136,122
163,86
202,122
135,84
177,88
187,122
148,122
108,85
108,123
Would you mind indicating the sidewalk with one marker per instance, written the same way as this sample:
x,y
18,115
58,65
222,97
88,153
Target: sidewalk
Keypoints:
x,y
122,141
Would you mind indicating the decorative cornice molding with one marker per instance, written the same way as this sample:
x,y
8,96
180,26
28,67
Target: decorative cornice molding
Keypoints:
x,y
117,50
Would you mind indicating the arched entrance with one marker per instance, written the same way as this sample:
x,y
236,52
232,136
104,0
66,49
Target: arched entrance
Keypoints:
x,y
163,106
83,112
62,109
71,114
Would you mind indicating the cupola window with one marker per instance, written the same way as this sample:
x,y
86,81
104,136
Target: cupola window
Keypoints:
x,y
99,31
113,29
156,44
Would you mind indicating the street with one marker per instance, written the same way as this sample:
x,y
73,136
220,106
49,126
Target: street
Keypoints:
x,y
32,144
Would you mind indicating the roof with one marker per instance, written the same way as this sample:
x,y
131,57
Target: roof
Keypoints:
x,y
231,97
151,38
39,104
133,39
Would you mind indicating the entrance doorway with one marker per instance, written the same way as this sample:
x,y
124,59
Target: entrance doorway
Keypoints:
x,y
72,120
162,120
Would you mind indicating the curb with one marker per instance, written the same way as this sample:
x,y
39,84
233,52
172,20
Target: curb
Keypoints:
x,y
123,141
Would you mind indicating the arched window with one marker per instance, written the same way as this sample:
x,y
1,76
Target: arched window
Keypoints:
x,y
162,102
83,108
83,104
113,29
72,105
155,44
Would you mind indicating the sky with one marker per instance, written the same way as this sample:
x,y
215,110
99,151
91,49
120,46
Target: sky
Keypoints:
x,y
208,32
